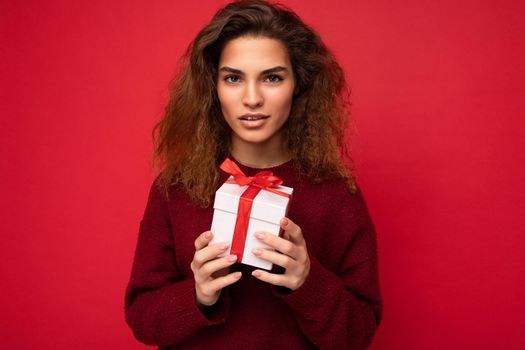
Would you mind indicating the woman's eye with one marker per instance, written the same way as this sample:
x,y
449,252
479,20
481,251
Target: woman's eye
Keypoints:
x,y
273,78
231,79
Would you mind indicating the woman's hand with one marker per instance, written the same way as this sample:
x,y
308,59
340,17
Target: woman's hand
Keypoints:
x,y
211,273
290,253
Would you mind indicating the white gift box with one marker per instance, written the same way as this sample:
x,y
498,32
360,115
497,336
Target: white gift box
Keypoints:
x,y
268,209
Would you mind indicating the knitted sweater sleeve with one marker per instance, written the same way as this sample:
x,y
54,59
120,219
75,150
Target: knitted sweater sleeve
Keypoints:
x,y
342,309
160,305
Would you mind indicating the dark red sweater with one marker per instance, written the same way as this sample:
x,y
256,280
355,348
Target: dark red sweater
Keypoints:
x,y
338,307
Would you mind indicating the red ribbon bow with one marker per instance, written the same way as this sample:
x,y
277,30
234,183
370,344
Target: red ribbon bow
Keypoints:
x,y
263,180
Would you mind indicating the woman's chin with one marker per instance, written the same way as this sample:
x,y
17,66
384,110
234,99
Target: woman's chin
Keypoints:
x,y
256,137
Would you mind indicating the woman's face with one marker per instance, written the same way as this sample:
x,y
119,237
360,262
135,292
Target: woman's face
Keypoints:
x,y
255,87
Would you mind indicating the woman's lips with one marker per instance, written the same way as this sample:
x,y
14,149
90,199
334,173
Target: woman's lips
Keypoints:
x,y
253,121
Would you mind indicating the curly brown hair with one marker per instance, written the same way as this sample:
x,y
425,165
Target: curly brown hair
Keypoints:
x,y
192,138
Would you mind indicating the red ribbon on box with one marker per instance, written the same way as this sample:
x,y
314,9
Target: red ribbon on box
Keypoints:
x,y
263,180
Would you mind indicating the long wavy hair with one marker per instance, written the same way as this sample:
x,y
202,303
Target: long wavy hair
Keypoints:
x,y
192,138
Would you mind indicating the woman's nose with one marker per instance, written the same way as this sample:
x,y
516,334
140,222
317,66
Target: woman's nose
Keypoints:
x,y
252,96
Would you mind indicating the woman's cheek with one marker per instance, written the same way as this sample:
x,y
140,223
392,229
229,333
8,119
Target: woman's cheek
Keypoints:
x,y
227,106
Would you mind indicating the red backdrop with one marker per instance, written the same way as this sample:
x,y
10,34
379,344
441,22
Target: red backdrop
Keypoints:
x,y
438,104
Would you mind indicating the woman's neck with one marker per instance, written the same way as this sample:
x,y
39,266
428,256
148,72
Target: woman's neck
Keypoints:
x,y
260,155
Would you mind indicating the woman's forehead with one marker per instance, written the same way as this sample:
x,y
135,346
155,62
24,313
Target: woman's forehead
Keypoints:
x,y
254,54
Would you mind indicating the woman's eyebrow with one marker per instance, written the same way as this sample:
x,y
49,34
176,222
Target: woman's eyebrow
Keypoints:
x,y
266,71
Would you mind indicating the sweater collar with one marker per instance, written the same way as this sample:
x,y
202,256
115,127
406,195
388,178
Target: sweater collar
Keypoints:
x,y
248,170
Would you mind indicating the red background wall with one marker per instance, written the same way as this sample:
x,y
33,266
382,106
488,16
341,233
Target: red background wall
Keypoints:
x,y
438,104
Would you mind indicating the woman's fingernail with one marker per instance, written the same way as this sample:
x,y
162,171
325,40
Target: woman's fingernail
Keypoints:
x,y
223,246
207,235
257,251
256,273
260,235
237,275
284,221
232,258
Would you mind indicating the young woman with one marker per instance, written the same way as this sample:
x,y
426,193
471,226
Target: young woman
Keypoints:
x,y
258,87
